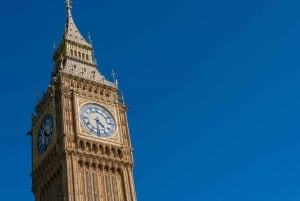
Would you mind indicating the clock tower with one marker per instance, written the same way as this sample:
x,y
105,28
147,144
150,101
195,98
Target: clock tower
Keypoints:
x,y
81,148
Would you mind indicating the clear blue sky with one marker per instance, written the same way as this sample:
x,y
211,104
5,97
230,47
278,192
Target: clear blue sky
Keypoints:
x,y
213,88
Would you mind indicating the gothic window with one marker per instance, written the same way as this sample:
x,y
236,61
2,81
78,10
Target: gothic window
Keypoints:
x,y
120,153
88,145
81,145
107,188
95,149
82,184
87,186
83,70
114,188
107,151
94,187
101,149
114,152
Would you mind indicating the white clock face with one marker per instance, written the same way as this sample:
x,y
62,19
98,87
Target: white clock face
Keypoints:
x,y
97,120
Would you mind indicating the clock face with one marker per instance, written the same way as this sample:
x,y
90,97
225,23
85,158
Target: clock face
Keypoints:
x,y
45,134
97,120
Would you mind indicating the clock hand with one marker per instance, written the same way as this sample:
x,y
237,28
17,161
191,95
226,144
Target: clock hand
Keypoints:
x,y
43,137
98,122
98,130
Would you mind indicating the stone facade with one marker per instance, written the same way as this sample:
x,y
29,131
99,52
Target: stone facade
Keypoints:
x,y
75,165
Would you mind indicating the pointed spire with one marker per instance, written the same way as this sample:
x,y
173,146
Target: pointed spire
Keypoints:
x,y
69,7
90,38
122,97
71,31
75,55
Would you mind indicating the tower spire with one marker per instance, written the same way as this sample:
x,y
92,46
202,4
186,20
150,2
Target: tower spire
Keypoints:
x,y
68,6
75,55
71,31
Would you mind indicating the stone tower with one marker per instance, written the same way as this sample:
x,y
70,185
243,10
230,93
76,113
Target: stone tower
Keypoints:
x,y
81,148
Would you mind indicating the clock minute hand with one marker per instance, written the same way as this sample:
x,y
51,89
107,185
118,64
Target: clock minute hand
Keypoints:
x,y
99,125
98,122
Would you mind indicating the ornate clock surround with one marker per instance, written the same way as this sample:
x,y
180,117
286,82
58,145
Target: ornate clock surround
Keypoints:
x,y
112,108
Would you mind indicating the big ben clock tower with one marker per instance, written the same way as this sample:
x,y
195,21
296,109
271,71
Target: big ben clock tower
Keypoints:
x,y
81,147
